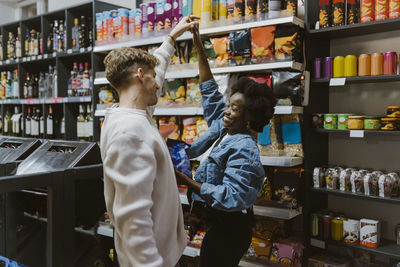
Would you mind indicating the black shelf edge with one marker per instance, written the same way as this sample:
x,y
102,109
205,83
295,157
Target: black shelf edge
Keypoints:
x,y
366,132
363,79
354,195
358,29
53,100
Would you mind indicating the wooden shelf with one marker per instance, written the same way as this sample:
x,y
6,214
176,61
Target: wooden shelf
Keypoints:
x,y
357,29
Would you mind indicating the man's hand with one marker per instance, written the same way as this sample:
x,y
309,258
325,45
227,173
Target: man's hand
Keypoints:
x,y
186,24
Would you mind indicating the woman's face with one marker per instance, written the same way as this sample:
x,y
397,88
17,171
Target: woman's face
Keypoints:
x,y
234,114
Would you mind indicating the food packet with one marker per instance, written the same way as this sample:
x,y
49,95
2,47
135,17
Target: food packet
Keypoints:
x,y
180,159
174,90
107,95
266,190
224,82
189,134
221,50
287,87
193,94
209,49
291,135
201,126
262,41
270,139
169,127
239,48
261,79
288,43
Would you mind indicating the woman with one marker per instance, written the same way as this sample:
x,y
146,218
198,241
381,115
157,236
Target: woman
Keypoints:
x,y
228,180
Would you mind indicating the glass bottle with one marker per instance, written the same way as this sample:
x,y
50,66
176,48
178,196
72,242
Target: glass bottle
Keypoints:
x,y
7,123
28,123
18,44
89,123
62,128
16,93
81,120
55,36
41,125
49,42
60,37
75,35
27,41
26,86
86,80
9,86
50,123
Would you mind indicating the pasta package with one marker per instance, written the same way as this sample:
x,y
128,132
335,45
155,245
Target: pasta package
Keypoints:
x,y
221,50
262,41
288,43
291,135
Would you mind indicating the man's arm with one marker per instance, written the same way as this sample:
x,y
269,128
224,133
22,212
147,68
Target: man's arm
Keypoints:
x,y
132,173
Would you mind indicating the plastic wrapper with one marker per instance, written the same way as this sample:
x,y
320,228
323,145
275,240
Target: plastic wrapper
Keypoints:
x,y
193,94
201,126
291,5
239,48
259,249
288,43
189,134
332,178
209,50
287,252
107,95
262,79
266,190
287,87
174,90
270,140
319,177
291,135
221,50
169,127
262,41
371,187
180,159
344,179
357,182
197,240
388,185
286,184
224,82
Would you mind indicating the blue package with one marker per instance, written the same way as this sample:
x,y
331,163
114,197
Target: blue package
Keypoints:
x,y
180,159
291,133
264,138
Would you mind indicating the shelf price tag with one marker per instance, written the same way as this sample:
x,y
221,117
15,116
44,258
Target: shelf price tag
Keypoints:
x,y
69,51
24,59
82,50
54,54
7,61
357,133
33,57
39,57
317,243
89,48
17,60
45,56
337,81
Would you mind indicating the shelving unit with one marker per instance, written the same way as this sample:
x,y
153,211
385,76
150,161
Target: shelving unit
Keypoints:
x,y
281,161
245,263
359,133
277,213
362,79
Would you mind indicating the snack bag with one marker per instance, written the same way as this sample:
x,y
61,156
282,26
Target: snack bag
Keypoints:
x,y
221,50
201,126
288,43
270,139
174,90
169,127
239,47
180,159
189,134
262,41
193,94
291,134
261,79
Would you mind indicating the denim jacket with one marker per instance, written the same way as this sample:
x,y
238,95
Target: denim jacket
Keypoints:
x,y
232,175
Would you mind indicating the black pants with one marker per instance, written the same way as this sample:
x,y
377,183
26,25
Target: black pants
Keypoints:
x,y
227,238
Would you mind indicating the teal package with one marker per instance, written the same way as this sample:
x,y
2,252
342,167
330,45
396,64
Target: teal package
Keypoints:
x,y
264,138
291,133
187,7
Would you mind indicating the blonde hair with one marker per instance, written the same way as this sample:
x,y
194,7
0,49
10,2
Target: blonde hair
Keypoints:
x,y
122,62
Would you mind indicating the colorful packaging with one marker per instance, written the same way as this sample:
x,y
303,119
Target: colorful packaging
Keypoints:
x,y
197,8
366,10
262,40
332,178
291,135
179,157
239,47
222,12
344,180
193,94
169,127
116,23
259,249
221,50
214,10
174,89
201,126
144,22
292,6
351,232
123,15
352,16
238,8
108,21
251,8
262,7
371,187
187,7
270,140
160,4
189,134
206,11
319,177
324,13
285,252
99,26
131,21
288,43
151,16
230,8
176,12
369,233
394,9
381,9
338,12
168,14
138,21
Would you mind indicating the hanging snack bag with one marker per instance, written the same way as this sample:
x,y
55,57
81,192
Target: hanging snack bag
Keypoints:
x,y
324,13
193,94
180,159
221,50
338,12
351,12
288,43
189,134
262,41
239,48
174,90
291,135
292,6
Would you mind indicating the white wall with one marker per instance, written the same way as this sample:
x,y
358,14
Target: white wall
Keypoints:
x,y
59,4
7,14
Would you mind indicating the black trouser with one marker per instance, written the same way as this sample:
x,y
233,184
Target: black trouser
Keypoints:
x,y
228,236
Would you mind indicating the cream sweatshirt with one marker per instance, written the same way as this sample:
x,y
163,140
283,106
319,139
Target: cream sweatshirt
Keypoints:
x,y
139,185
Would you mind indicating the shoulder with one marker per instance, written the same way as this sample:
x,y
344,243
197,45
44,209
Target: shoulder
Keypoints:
x,y
244,149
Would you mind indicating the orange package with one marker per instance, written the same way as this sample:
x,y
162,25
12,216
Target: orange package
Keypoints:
x,y
394,9
366,10
381,9
221,50
262,40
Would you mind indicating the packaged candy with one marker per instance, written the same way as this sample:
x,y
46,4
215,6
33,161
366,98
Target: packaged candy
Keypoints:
x,y
239,47
201,126
371,187
169,127
189,134
357,182
221,50
288,43
291,135
291,5
369,233
332,178
180,159
174,89
259,249
262,41
266,190
193,94
168,17
319,177
344,179
286,252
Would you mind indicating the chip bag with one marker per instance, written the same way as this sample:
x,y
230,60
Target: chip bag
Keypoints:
x,y
174,90
239,47
221,50
180,159
193,94
169,127
201,126
288,43
189,134
262,41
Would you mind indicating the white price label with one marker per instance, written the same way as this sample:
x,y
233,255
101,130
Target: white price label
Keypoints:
x,y
29,59
7,61
81,99
54,54
33,57
357,133
69,51
1,63
39,56
45,56
89,48
17,60
24,59
337,81
82,50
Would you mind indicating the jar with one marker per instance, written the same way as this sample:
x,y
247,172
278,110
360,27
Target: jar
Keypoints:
x,y
393,112
343,121
390,124
318,120
372,123
330,121
356,122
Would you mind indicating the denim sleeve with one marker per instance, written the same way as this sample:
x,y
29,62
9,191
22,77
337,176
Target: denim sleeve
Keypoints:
x,y
240,185
212,100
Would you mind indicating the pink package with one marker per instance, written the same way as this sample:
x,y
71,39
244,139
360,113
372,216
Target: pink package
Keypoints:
x,y
176,12
168,14
286,253
151,16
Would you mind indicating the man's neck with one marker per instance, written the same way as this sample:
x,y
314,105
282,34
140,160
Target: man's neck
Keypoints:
x,y
129,98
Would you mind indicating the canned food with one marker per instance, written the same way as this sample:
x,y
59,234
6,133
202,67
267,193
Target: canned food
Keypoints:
x,y
367,11
390,63
338,12
350,66
318,120
390,124
376,64
343,121
351,12
394,9
327,67
356,122
315,225
337,229
364,65
326,222
330,121
372,123
351,232
393,112
338,67
381,9
369,233
317,68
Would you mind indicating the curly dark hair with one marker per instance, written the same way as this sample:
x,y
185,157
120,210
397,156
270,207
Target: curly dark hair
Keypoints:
x,y
260,102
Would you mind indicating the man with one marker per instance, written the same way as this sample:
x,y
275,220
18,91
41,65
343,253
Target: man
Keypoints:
x,y
139,182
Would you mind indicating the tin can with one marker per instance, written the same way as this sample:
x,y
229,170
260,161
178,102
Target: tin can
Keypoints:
x,y
343,121
338,67
330,121
108,22
151,16
351,12
315,225
176,12
367,11
326,222
123,13
99,26
338,12
390,63
324,13
222,11
131,21
381,9
230,8
116,23
317,68
337,229
394,9
160,14
168,14
364,65
376,64
350,66
138,21
327,67
143,20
